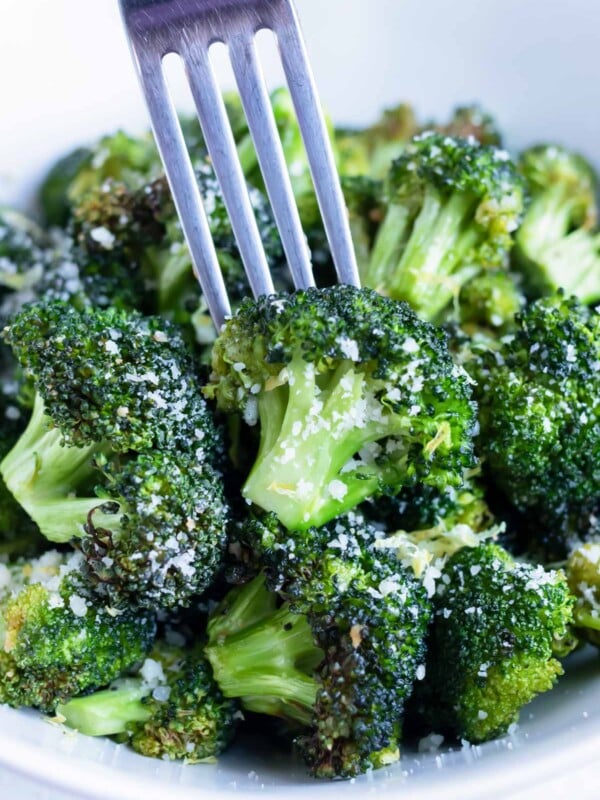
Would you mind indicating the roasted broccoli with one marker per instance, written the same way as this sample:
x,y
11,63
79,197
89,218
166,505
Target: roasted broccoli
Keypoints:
x,y
490,301
498,627
452,207
120,451
556,247
306,517
57,639
339,658
538,394
355,397
171,708
131,160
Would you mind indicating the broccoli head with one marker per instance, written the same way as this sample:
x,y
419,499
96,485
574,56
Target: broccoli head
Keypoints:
x,y
111,375
120,452
354,394
540,418
453,205
155,535
339,657
56,639
170,709
556,248
498,626
490,301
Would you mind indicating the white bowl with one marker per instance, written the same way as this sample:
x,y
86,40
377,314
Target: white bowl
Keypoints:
x,y
67,77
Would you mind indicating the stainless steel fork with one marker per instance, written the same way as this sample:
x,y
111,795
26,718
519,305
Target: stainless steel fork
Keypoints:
x,y
188,28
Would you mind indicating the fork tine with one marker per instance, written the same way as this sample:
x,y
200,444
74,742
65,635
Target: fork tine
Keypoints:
x,y
184,187
223,153
316,141
261,123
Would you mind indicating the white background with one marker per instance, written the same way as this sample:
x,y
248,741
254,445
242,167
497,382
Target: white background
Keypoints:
x,y
66,74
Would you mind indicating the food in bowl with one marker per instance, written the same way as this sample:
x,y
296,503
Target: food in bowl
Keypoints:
x,y
344,510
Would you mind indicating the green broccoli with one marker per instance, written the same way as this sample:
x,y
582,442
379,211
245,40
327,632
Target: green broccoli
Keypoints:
x,y
120,451
171,708
540,418
56,639
490,301
339,658
132,160
355,397
498,626
453,206
555,245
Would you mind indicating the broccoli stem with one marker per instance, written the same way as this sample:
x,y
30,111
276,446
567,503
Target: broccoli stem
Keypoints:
x,y
108,712
43,474
309,433
547,220
440,240
244,606
424,266
267,663
581,249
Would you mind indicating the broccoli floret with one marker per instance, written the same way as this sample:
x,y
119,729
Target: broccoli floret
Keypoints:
x,y
111,375
355,397
157,534
339,657
453,206
120,451
171,709
556,248
540,418
498,626
490,300
170,264
56,639
129,159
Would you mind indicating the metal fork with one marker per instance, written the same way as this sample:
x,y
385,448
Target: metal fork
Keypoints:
x,y
188,28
